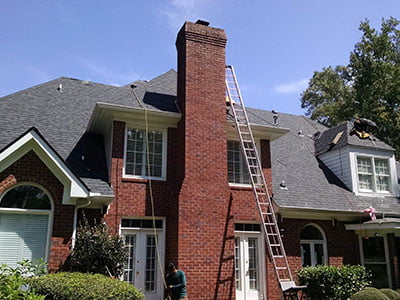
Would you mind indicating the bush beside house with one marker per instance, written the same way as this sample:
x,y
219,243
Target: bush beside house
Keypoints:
x,y
79,286
13,281
98,251
331,282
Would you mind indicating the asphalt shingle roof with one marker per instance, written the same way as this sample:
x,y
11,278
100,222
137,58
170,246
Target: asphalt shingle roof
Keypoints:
x,y
310,184
324,142
60,109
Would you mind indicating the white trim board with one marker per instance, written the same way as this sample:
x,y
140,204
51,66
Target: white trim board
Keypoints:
x,y
32,141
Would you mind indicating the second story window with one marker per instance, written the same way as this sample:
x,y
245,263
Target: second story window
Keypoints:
x,y
373,174
144,157
237,168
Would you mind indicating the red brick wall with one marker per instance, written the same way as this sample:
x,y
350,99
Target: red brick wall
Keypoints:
x,y
30,169
205,229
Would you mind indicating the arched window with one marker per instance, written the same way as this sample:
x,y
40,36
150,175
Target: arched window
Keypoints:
x,y
313,246
25,222
26,197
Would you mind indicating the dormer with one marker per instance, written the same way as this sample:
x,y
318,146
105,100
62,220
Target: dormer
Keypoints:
x,y
366,165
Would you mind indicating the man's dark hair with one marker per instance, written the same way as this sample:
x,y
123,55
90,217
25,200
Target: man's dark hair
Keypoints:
x,y
171,266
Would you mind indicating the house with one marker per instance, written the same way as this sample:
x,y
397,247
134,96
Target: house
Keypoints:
x,y
69,145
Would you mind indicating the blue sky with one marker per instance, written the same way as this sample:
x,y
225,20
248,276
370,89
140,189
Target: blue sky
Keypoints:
x,y
274,45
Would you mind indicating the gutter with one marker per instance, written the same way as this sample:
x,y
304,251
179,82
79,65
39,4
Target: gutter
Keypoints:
x,y
74,225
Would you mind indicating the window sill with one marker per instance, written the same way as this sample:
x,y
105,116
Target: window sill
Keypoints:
x,y
141,179
374,194
240,187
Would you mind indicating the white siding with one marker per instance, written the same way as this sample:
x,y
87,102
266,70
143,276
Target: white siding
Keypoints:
x,y
359,151
338,161
343,163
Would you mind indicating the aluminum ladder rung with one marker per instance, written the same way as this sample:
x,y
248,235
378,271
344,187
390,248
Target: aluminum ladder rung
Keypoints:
x,y
261,194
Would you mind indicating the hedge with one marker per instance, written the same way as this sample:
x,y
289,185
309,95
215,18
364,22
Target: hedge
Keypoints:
x,y
80,286
392,295
369,294
331,282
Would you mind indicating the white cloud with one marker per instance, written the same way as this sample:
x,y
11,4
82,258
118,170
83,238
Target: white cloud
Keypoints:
x,y
105,74
178,11
39,74
292,87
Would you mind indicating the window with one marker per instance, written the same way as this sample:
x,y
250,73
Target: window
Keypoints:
x,y
313,246
26,197
373,174
237,168
25,219
144,157
375,261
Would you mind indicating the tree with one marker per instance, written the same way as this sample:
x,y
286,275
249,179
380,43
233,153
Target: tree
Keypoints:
x,y
368,87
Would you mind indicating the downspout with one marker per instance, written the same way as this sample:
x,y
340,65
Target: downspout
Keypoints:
x,y
76,220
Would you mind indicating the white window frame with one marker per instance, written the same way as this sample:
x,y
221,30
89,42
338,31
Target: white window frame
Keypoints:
x,y
48,212
164,152
373,174
257,142
387,261
312,244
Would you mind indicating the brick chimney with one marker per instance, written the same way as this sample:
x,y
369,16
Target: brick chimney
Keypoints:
x,y
204,228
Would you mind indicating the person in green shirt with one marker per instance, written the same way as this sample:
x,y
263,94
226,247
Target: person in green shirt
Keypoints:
x,y
176,283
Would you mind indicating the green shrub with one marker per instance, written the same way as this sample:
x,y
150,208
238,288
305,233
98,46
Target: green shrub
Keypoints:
x,y
330,282
98,251
369,294
13,281
392,295
79,286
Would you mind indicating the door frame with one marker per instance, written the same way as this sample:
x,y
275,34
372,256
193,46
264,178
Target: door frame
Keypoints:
x,y
261,258
161,245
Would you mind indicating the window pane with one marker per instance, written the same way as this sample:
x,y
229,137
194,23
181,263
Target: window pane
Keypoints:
x,y
311,233
305,255
319,254
381,167
137,153
130,243
26,197
253,263
365,182
382,184
150,279
374,250
237,168
364,165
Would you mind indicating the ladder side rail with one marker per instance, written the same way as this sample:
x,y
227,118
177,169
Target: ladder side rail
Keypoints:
x,y
258,167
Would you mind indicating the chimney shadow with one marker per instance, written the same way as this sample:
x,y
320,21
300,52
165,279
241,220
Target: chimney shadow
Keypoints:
x,y
225,285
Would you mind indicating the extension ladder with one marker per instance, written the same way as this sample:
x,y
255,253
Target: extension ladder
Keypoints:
x,y
266,211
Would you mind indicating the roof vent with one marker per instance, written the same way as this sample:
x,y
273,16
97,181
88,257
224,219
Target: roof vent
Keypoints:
x,y
60,88
275,117
202,22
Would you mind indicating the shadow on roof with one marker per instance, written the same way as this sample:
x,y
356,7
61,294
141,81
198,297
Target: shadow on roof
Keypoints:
x,y
161,101
88,159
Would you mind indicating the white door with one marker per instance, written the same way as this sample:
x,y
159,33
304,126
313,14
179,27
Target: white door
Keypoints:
x,y
249,266
142,268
